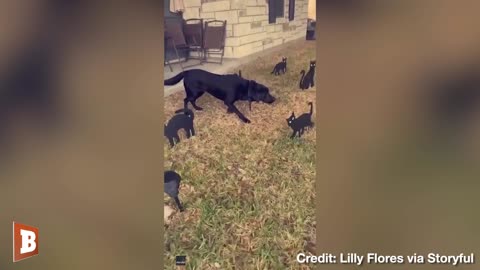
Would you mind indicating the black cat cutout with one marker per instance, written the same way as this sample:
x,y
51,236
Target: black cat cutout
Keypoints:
x,y
179,121
301,123
171,185
308,80
281,67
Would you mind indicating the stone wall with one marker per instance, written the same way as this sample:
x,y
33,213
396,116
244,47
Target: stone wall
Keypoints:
x,y
248,30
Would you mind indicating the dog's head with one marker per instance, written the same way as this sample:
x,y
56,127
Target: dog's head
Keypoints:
x,y
284,59
258,92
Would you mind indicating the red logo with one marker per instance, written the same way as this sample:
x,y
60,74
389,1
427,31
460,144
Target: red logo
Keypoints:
x,y
25,241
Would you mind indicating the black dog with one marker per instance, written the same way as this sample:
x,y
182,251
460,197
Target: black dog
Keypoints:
x,y
229,88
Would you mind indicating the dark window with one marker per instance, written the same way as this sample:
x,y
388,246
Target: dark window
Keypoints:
x,y
291,10
276,9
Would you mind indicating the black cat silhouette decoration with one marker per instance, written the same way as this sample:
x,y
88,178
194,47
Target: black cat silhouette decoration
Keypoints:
x,y
171,186
299,124
308,80
280,68
177,122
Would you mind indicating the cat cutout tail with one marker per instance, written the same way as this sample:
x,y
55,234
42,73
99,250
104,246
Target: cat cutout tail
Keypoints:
x,y
301,79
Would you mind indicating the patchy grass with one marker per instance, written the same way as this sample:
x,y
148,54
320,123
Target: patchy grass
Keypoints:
x,y
248,189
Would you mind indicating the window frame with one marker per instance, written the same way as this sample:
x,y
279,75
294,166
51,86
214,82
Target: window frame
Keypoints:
x,y
275,7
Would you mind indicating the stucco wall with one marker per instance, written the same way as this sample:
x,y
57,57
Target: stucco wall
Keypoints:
x,y
248,30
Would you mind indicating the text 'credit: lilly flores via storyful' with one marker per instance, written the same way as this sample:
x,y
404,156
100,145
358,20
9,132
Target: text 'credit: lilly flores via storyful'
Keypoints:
x,y
375,258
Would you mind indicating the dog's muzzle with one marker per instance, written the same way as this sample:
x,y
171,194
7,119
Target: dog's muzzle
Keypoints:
x,y
269,99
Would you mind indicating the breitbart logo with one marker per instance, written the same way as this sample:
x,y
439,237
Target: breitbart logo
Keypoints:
x,y
25,241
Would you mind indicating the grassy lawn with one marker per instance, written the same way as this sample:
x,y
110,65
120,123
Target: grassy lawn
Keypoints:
x,y
248,189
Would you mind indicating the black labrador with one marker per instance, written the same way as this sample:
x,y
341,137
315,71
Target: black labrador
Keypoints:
x,y
229,88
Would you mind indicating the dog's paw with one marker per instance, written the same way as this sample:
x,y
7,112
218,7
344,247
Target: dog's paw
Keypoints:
x,y
247,121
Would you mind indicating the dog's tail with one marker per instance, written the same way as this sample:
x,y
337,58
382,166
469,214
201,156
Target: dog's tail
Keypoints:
x,y
311,107
239,73
301,79
175,79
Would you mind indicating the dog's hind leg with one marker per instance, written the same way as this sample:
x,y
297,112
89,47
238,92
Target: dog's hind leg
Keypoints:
x,y
185,104
198,108
192,97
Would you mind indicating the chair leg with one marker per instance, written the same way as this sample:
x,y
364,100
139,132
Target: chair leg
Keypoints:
x,y
178,56
169,65
200,55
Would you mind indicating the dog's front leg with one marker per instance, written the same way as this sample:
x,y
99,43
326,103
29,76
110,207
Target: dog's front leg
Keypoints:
x,y
234,109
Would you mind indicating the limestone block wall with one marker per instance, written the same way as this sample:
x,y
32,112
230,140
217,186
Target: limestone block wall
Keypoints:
x,y
248,30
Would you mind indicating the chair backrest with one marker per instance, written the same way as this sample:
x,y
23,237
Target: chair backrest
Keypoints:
x,y
193,29
214,34
174,31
